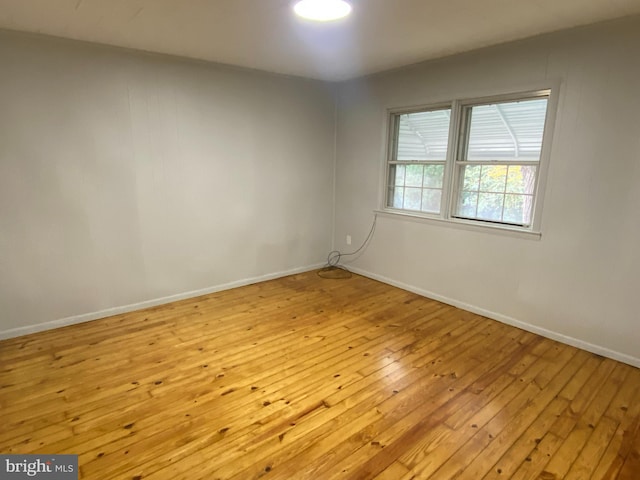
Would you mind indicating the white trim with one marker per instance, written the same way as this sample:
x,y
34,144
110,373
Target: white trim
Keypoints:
x,y
470,225
545,153
388,136
574,342
448,178
87,317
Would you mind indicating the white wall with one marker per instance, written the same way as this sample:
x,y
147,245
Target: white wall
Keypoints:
x,y
127,177
581,281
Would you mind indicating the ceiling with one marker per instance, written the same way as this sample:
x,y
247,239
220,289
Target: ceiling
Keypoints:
x,y
265,35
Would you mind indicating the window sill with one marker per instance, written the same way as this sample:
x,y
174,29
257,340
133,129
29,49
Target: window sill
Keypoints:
x,y
460,224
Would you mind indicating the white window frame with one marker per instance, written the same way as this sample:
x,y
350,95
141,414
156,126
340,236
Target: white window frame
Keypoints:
x,y
394,127
450,180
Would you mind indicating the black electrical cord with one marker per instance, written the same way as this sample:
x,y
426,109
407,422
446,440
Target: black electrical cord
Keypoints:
x,y
333,269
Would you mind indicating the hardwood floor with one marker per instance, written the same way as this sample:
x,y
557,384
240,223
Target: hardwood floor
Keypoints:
x,y
308,378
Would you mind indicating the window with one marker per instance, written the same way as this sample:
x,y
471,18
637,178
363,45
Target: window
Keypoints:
x,y
416,170
469,161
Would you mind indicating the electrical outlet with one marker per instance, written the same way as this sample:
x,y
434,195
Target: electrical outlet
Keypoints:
x,y
348,239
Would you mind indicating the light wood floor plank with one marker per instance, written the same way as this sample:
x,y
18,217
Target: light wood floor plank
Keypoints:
x,y
355,401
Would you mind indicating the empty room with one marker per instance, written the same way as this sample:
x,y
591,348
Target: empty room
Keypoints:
x,y
319,239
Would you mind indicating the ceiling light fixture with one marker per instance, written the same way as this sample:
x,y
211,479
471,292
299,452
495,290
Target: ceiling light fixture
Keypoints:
x,y
322,10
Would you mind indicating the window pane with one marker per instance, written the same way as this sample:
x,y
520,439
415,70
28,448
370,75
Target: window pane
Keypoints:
x,y
398,197
521,179
509,131
493,178
490,206
412,198
468,204
471,177
414,175
431,199
433,175
423,136
397,174
517,209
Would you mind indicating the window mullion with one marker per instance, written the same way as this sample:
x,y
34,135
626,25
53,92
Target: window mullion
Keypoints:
x,y
449,170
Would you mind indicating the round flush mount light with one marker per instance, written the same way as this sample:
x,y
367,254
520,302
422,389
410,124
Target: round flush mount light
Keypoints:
x,y
322,10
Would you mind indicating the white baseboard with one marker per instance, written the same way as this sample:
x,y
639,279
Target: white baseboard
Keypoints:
x,y
574,342
87,317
